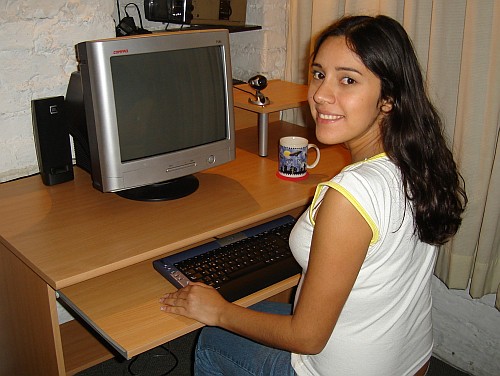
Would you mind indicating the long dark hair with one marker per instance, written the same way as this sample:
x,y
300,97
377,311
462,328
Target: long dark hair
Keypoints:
x,y
412,131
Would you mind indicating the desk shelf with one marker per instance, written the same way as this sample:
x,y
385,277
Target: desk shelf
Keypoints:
x,y
81,349
123,307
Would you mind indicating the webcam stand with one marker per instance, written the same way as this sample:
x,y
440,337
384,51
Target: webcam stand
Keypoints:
x,y
260,99
263,125
263,120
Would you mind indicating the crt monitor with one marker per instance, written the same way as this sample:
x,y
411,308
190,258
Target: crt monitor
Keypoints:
x,y
149,111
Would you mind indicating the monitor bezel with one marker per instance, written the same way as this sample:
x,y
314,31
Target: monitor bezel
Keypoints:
x,y
109,173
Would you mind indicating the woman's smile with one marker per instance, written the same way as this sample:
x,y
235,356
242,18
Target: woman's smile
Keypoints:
x,y
329,117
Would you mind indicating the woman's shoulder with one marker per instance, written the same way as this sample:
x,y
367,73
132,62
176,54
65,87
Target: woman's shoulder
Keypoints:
x,y
379,161
374,171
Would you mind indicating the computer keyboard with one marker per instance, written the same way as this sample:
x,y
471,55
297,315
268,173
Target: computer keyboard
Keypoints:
x,y
237,265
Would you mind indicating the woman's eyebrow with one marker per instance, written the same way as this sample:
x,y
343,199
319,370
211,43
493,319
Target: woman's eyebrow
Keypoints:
x,y
348,69
338,69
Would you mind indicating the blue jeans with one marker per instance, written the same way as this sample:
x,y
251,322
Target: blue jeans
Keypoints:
x,y
222,353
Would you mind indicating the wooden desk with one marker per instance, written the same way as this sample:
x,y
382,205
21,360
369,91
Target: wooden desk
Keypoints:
x,y
97,250
283,96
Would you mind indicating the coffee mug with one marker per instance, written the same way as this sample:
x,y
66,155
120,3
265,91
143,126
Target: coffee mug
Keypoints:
x,y
293,157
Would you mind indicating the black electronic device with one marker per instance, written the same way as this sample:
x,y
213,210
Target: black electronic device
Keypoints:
x,y
258,83
52,140
127,25
225,9
169,11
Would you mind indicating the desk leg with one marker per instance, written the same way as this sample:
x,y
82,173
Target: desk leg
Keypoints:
x,y
30,342
263,123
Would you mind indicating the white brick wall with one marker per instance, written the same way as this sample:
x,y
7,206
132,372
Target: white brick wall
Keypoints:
x,y
262,51
37,41
37,54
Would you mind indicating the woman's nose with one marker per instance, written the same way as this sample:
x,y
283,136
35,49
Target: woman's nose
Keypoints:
x,y
323,93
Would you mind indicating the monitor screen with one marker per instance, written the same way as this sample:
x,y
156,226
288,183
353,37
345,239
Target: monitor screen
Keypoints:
x,y
193,102
157,109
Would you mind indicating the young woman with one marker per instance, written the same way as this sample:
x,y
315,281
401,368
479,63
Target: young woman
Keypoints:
x,y
368,242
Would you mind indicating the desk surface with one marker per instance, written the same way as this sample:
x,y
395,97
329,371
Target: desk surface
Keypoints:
x,y
70,232
97,248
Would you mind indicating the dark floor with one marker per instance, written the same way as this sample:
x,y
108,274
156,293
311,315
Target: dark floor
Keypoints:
x,y
175,359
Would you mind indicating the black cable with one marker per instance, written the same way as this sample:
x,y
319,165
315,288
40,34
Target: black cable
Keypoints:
x,y
138,12
176,360
168,352
246,91
118,8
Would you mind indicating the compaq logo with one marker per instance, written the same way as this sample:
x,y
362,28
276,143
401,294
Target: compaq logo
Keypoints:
x,y
116,52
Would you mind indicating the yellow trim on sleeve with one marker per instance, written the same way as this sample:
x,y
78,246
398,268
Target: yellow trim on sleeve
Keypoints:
x,y
374,158
352,200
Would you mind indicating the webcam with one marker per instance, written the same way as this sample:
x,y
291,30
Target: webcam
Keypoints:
x,y
258,83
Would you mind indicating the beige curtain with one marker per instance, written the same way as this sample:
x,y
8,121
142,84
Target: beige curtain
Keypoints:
x,y
458,44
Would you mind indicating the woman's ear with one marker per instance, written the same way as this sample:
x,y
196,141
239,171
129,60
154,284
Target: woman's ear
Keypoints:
x,y
386,105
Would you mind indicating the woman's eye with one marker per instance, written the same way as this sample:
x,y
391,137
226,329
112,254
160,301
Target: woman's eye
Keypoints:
x,y
318,75
348,81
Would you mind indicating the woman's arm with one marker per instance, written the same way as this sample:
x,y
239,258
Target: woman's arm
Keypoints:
x,y
340,242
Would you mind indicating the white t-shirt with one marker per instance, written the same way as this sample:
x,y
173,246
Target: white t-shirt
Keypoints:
x,y
385,326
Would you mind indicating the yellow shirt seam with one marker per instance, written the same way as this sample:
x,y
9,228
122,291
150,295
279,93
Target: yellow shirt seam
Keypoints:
x,y
375,157
353,201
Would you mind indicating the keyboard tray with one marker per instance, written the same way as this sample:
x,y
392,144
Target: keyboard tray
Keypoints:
x,y
250,274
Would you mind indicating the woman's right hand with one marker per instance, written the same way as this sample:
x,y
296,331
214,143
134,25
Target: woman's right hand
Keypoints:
x,y
196,301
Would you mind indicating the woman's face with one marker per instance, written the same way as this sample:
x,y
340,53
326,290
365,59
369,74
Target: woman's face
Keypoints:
x,y
344,97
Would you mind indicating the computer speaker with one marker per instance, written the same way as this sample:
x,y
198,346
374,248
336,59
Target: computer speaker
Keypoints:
x,y
52,140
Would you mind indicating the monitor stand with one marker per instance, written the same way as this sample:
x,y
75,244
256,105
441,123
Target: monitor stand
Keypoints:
x,y
167,190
